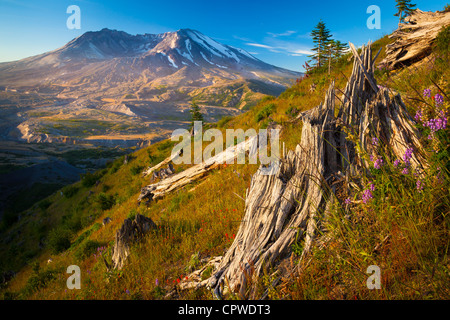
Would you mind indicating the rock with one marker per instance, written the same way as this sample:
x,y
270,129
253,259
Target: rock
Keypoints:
x,y
106,221
130,231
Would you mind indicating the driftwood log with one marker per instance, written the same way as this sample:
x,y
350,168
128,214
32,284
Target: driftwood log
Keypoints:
x,y
290,204
414,38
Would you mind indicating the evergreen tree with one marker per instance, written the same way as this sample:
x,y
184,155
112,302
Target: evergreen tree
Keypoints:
x,y
404,9
196,115
321,37
338,48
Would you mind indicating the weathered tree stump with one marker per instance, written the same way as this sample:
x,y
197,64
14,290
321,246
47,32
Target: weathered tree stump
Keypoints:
x,y
129,232
414,38
291,203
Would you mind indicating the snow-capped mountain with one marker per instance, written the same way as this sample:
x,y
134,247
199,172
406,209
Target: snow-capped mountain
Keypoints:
x,y
116,56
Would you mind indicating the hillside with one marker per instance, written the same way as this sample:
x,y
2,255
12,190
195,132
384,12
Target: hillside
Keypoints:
x,y
402,227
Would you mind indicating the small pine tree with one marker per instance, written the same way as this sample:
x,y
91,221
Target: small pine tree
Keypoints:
x,y
321,37
404,9
338,48
196,115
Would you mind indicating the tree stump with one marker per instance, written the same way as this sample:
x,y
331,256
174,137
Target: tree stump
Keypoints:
x,y
290,204
129,232
414,38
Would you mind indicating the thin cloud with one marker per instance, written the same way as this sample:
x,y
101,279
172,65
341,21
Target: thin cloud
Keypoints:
x,y
283,34
259,45
285,47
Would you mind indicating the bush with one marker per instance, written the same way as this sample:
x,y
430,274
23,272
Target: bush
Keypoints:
x,y
59,240
136,169
89,179
38,278
87,248
105,201
70,191
265,112
44,204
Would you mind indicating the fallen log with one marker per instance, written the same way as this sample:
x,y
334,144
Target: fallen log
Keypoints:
x,y
173,182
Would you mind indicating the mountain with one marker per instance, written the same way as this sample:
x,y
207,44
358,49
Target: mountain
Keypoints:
x,y
109,58
106,86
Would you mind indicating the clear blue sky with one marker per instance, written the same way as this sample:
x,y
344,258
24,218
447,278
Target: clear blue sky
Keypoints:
x,y
275,31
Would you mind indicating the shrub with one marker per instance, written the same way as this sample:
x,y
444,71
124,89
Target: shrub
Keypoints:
x,y
59,240
38,278
87,248
136,169
89,179
105,201
265,112
70,191
44,204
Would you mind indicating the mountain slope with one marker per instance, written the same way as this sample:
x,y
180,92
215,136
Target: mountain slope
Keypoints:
x,y
114,57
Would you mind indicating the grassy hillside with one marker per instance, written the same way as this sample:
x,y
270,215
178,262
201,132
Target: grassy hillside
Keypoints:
x,y
403,228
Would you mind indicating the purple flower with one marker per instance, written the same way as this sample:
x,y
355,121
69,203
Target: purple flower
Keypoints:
x,y
405,171
347,201
375,141
371,186
419,185
378,163
427,93
439,99
396,163
418,116
436,124
157,282
366,196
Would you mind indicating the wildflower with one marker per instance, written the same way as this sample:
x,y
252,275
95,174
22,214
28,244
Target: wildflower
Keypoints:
x,y
427,93
396,163
418,116
419,185
157,282
438,99
127,291
367,195
375,141
405,171
407,156
347,201
378,163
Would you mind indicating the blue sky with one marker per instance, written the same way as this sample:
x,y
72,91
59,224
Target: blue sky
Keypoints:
x,y
275,31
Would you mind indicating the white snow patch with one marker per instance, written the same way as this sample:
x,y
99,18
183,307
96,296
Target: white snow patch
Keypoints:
x,y
205,58
168,58
186,55
97,53
245,53
214,47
